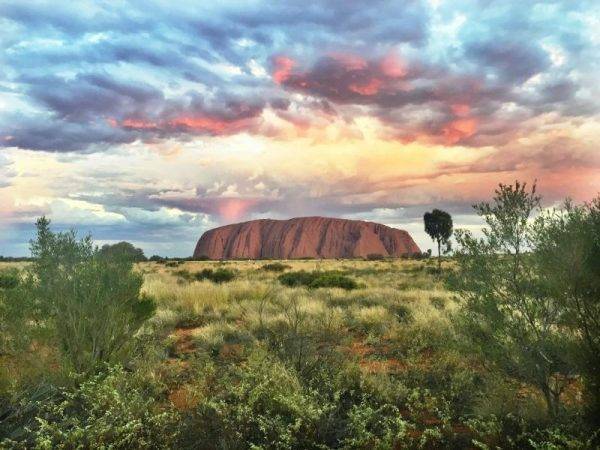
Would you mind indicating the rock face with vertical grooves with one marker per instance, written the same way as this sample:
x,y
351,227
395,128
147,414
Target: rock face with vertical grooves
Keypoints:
x,y
304,237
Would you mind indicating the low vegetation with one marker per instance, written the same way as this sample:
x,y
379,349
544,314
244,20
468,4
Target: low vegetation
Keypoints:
x,y
122,250
276,267
499,350
219,275
318,279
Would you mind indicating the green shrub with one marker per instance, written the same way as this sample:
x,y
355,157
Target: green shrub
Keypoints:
x,y
296,279
438,302
508,314
317,279
333,280
513,432
375,257
276,267
123,250
261,405
115,410
222,275
185,274
219,275
402,312
9,279
375,428
92,305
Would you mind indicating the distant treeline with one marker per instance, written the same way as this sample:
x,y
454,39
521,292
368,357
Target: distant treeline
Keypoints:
x,y
158,258
128,251
15,258
369,257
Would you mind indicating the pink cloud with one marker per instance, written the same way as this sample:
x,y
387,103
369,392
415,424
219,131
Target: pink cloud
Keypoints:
x,y
233,209
137,124
393,67
460,109
243,119
213,125
370,88
342,76
350,61
283,68
459,129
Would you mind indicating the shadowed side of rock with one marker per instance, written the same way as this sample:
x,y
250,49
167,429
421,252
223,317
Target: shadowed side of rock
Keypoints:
x,y
304,237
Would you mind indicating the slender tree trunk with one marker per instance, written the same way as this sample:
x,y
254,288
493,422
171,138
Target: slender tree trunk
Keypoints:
x,y
592,390
552,401
439,255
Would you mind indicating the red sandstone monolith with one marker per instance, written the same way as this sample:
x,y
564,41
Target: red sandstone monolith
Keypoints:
x,y
304,237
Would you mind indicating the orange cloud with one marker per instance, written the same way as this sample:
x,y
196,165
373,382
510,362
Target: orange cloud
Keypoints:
x,y
459,129
202,123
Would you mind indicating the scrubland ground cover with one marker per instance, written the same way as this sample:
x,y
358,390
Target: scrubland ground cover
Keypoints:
x,y
244,359
251,362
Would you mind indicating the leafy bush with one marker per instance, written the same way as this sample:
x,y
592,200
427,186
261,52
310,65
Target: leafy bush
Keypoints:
x,y
376,428
402,312
123,250
507,312
568,244
375,257
19,327
91,304
513,432
262,405
296,279
9,279
276,267
219,275
115,409
333,280
317,279
438,302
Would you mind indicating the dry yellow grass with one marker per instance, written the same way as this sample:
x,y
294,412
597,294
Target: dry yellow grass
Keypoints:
x,y
399,304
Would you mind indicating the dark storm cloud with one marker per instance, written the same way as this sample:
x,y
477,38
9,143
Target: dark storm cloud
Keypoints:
x,y
514,61
89,96
35,133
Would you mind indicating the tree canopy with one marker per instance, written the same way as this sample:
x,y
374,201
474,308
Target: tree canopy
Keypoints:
x,y
123,250
438,225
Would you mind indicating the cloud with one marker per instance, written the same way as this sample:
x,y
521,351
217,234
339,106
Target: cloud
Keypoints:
x,y
6,171
96,76
512,61
151,121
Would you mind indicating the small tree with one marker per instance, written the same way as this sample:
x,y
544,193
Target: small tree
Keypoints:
x,y
508,313
438,225
91,303
123,250
568,244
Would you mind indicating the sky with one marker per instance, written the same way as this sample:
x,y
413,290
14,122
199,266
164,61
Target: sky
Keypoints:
x,y
153,121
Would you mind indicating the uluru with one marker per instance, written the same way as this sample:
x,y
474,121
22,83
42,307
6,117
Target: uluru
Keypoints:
x,y
304,237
